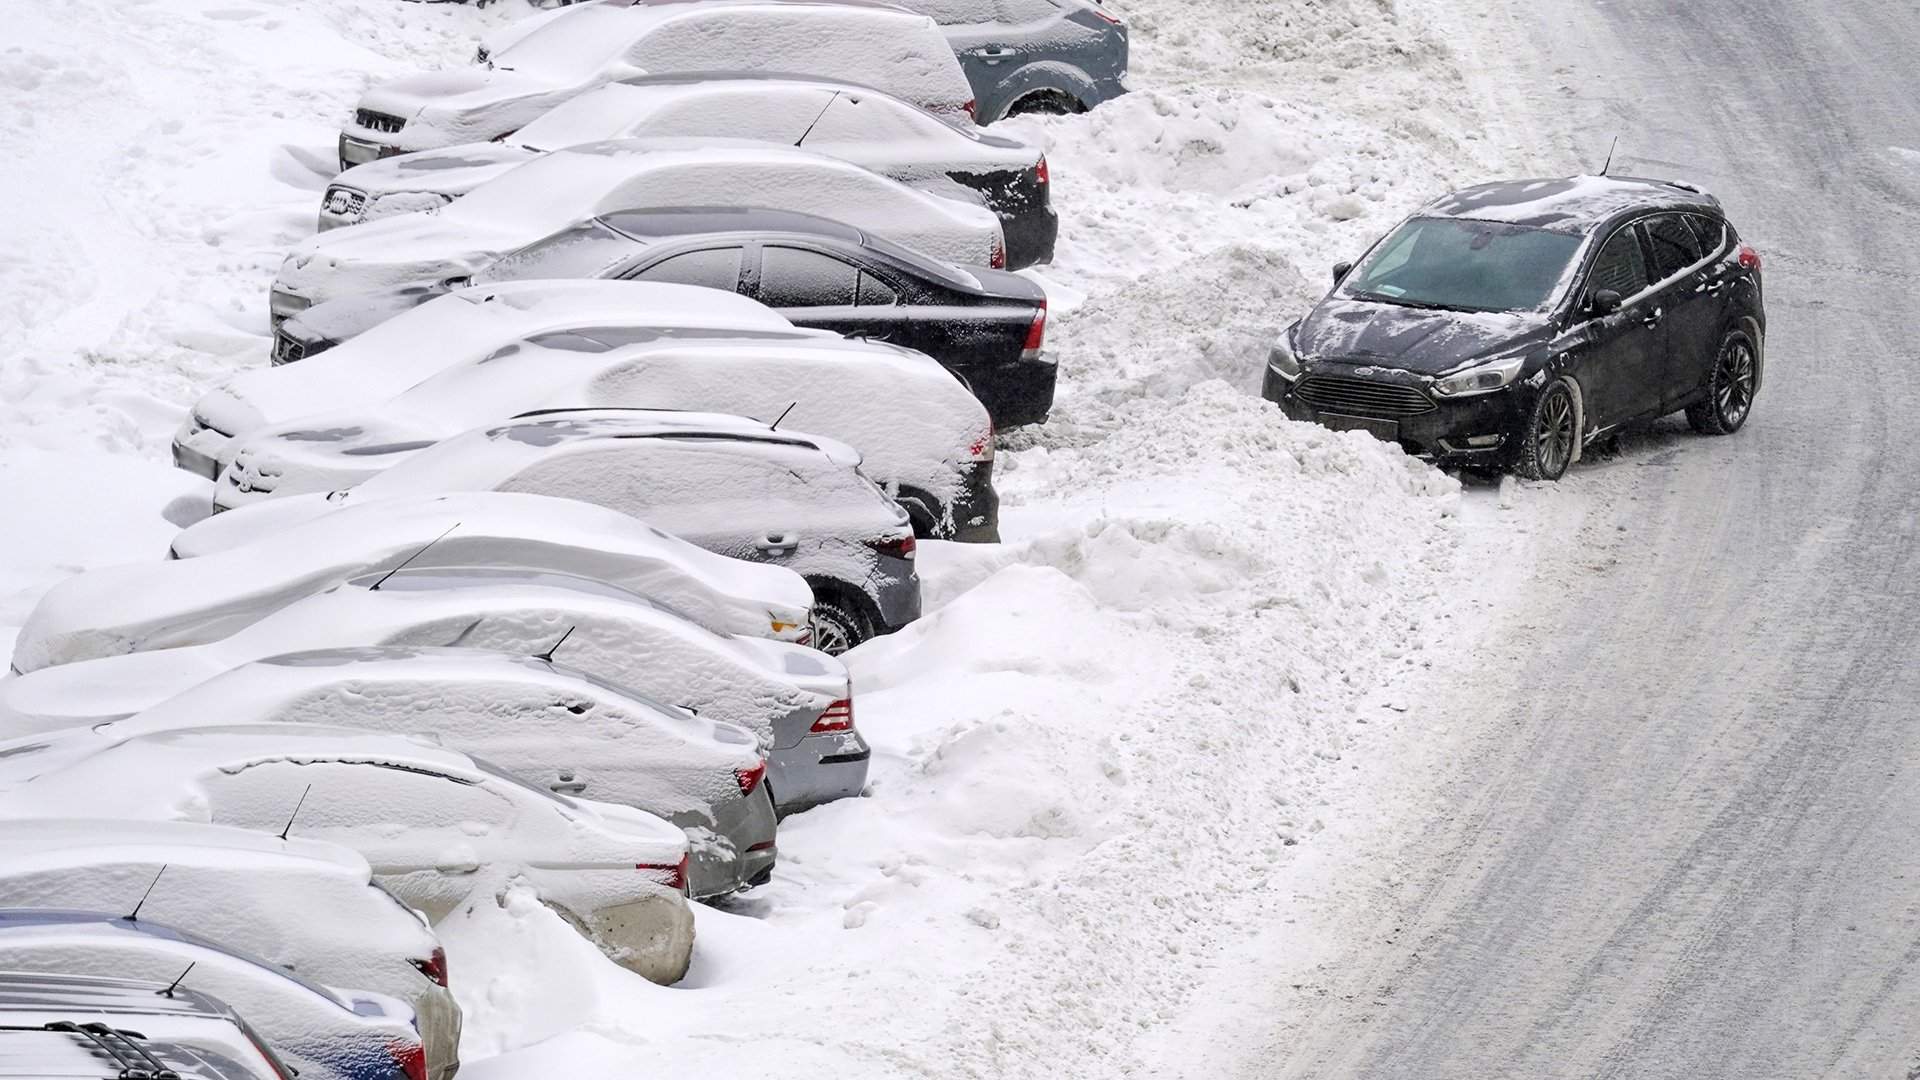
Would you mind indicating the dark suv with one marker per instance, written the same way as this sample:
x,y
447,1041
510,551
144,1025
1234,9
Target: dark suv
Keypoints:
x,y
1511,324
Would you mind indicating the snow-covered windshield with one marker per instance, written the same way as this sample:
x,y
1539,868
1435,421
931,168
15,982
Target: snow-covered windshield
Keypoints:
x,y
585,250
571,48
1465,265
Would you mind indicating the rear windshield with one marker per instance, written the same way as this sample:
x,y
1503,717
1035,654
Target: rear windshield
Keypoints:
x,y
1465,265
586,250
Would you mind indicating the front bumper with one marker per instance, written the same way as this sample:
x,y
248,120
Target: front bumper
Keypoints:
x,y
818,769
1472,429
358,150
199,449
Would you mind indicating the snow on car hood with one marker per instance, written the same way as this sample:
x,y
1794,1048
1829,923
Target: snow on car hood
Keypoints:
x,y
391,251
1430,342
464,325
462,105
192,601
454,170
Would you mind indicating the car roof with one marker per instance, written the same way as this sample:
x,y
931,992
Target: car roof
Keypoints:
x,y
797,79
603,422
104,925
649,223
1568,204
26,991
177,840
880,4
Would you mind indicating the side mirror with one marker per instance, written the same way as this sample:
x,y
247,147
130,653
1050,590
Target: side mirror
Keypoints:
x,y
1604,302
1340,270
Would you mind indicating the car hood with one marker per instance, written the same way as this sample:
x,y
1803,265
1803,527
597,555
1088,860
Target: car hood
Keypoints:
x,y
452,170
389,252
1429,342
348,317
463,105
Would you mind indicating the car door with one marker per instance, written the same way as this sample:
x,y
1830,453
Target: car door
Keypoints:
x,y
1694,326
1619,368
816,289
709,267
1688,316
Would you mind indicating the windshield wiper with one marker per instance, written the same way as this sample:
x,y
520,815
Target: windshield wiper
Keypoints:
x,y
1424,305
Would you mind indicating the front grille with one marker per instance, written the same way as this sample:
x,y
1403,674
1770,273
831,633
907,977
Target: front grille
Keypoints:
x,y
286,350
1362,397
385,123
346,202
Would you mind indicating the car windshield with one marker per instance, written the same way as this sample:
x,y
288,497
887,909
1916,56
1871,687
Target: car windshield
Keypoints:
x,y
1465,265
586,250
571,47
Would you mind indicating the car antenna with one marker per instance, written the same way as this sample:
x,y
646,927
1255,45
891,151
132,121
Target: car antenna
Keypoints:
x,y
1609,161
175,984
134,915
288,827
782,416
548,655
375,587
835,96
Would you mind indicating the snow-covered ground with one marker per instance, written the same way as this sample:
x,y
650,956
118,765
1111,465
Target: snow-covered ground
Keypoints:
x,y
1108,756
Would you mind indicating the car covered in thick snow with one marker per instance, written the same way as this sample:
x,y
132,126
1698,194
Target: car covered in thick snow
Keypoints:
x,y
191,601
919,432
532,200
1034,56
308,906
527,68
55,1027
324,1033
437,825
798,701
988,327
436,333
854,123
732,485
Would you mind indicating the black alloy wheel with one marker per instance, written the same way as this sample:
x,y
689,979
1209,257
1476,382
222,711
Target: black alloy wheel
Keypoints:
x,y
1730,388
1552,430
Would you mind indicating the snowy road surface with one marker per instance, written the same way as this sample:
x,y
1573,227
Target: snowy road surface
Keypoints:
x,y
1684,842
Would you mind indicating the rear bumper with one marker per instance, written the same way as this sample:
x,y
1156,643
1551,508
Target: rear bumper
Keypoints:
x,y
976,510
818,769
746,827
1031,234
1017,393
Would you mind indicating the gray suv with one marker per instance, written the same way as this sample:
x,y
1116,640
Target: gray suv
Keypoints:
x,y
1024,56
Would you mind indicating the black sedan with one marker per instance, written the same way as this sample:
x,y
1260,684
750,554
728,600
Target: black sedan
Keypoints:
x,y
985,326
1514,323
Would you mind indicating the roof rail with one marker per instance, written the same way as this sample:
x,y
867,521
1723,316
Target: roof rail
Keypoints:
x,y
134,1061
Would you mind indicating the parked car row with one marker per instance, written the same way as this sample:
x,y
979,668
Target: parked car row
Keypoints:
x,y
608,405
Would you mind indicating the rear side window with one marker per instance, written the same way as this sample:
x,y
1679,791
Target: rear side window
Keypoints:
x,y
795,277
1619,266
713,268
1673,244
1711,233
874,292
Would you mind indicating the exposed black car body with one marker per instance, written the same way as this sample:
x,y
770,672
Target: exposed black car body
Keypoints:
x,y
1614,300
985,326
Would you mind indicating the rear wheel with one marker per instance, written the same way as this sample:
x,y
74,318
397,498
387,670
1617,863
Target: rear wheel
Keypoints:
x,y
1552,429
1047,103
1730,388
838,623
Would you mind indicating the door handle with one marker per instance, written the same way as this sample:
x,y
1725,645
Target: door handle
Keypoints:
x,y
993,56
1651,319
778,544
1711,287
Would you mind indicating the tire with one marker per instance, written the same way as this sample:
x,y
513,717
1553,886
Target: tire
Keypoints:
x,y
1730,388
1046,103
1549,434
838,624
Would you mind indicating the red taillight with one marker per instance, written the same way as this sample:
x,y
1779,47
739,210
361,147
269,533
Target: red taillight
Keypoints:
x,y
972,108
1041,175
836,717
982,448
998,258
672,876
750,778
1749,258
1114,19
411,1058
1036,333
434,967
900,547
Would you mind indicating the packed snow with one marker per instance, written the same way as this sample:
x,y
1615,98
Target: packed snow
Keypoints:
x,y
1102,754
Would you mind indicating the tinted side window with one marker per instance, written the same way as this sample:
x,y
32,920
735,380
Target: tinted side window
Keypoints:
x,y
715,268
1619,266
874,292
791,277
1712,233
1674,246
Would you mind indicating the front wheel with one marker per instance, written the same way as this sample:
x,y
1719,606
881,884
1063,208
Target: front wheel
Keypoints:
x,y
838,624
1730,388
1549,434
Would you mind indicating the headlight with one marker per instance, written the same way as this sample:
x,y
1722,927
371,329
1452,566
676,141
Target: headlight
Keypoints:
x,y
1478,380
1282,359
284,304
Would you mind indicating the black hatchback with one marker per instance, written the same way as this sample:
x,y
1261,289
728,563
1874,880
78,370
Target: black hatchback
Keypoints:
x,y
1511,324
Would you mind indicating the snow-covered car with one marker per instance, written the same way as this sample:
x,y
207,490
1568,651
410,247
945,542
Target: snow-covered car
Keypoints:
x,y
439,333
436,825
872,129
436,333
191,601
1034,56
729,484
796,700
527,68
532,200
324,1033
919,432
307,906
988,327
60,1026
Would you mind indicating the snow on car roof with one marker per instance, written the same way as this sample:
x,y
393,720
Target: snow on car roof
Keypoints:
x,y
193,600
1575,203
83,839
34,992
